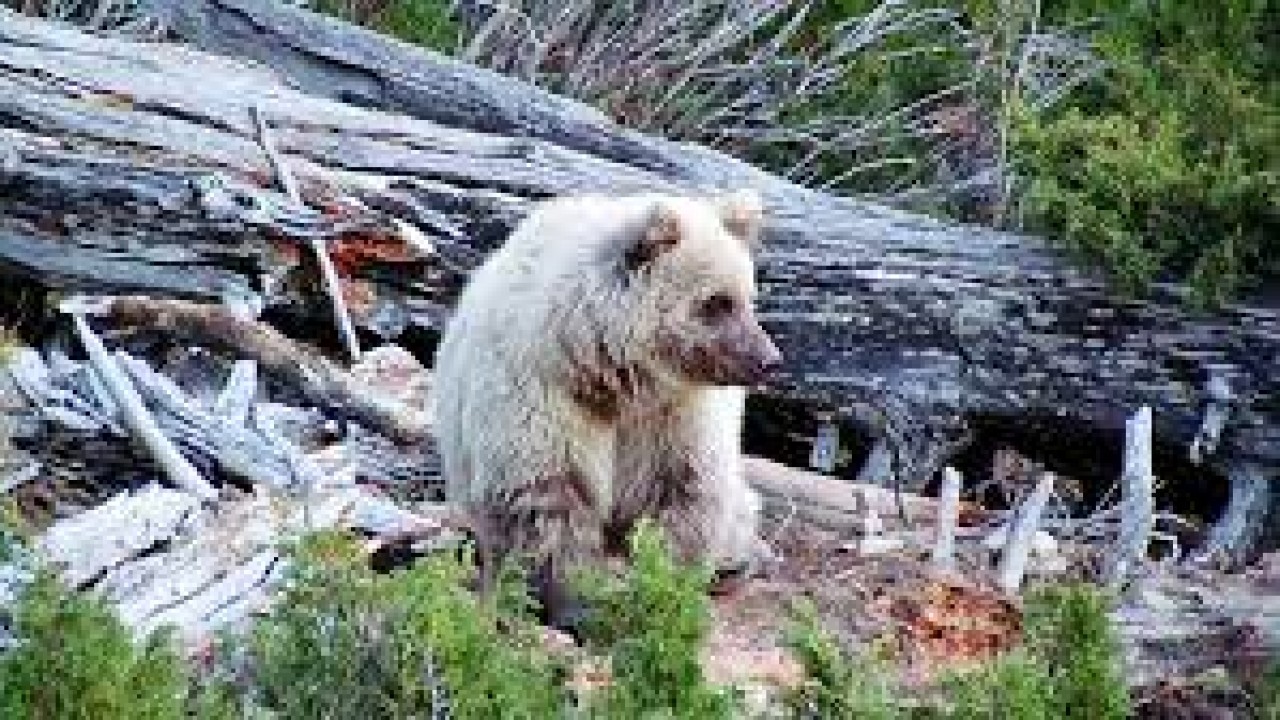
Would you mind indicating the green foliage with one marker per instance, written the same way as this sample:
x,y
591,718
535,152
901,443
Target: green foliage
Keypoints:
x,y
76,662
837,687
1169,166
1013,687
1068,670
346,642
1266,694
428,23
1068,631
651,622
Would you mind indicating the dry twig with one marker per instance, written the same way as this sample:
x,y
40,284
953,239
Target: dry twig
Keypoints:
x,y
332,283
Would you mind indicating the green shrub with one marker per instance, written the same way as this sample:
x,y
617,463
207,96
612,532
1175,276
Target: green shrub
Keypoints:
x,y
428,23
1015,686
1146,193
837,686
1266,693
1068,632
75,661
1169,166
345,642
652,622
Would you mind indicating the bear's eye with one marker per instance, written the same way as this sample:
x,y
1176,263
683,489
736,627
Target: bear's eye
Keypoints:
x,y
717,306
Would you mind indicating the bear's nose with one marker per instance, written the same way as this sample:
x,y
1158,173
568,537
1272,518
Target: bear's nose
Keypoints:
x,y
770,359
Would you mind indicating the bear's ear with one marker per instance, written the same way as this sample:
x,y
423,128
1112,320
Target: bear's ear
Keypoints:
x,y
661,233
742,213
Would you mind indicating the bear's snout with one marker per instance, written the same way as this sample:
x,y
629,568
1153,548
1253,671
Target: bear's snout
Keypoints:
x,y
764,358
749,356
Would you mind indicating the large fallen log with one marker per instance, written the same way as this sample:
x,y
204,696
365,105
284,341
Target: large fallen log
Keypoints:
x,y
133,168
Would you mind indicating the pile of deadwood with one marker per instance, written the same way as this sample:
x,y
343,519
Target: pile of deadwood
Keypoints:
x,y
225,259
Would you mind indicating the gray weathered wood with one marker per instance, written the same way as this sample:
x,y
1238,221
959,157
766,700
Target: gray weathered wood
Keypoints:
x,y
119,530
944,547
909,326
1022,531
138,418
1137,502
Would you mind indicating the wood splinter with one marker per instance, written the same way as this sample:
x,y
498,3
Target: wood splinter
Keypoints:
x,y
1013,564
943,558
1137,499
331,281
137,418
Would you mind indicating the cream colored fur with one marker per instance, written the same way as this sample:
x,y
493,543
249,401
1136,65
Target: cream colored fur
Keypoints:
x,y
505,414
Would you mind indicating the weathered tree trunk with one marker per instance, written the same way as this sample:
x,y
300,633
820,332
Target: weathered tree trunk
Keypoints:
x,y
132,168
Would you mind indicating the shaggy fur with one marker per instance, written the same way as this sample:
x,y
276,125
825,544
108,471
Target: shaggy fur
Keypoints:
x,y
591,375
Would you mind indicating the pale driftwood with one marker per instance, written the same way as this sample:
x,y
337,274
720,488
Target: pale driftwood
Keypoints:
x,y
878,468
161,560
58,391
909,327
236,399
1013,563
826,444
1243,519
127,526
138,418
1216,412
247,453
320,380
832,502
944,545
1137,502
1179,625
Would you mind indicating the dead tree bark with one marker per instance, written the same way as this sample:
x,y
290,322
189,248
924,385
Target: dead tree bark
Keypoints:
x,y
132,168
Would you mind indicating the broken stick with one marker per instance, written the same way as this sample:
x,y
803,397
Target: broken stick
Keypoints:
x,y
943,558
138,419
331,281
1013,564
321,381
1137,502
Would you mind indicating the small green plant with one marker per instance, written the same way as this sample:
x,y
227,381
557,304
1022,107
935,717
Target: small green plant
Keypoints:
x,y
1013,687
838,687
75,661
1067,631
346,642
652,622
1068,670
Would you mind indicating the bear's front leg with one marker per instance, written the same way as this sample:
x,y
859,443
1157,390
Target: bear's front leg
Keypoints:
x,y
699,490
553,524
710,518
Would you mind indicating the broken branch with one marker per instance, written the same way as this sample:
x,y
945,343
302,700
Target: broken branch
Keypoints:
x,y
332,283
138,419
1013,565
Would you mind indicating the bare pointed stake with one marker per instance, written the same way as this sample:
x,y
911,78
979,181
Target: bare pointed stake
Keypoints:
x,y
1137,501
943,559
1013,564
138,419
331,281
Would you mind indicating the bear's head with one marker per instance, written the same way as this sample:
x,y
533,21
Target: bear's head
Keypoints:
x,y
692,265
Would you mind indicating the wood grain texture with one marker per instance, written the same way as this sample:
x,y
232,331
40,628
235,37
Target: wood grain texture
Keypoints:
x,y
911,326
